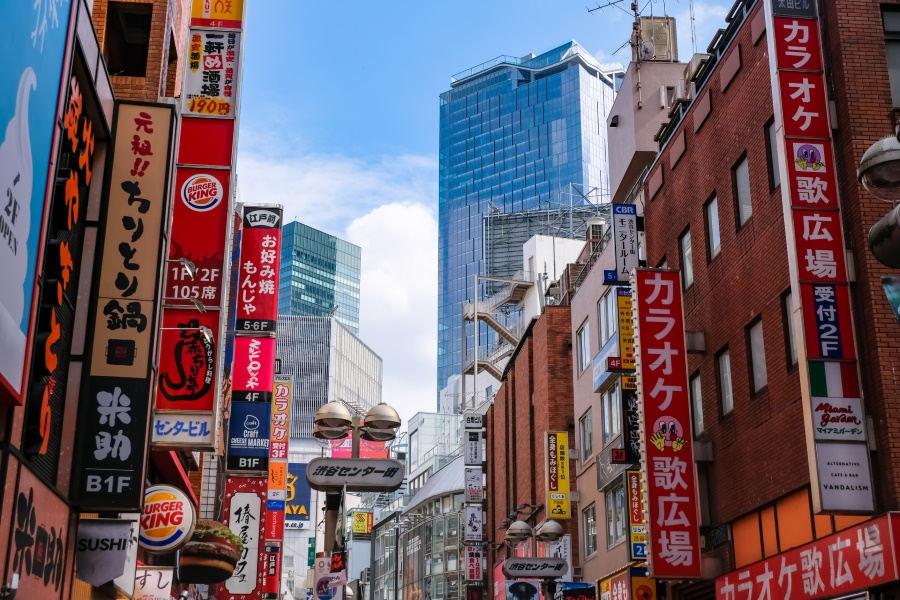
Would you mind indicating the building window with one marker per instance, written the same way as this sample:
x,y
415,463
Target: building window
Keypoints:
x,y
611,406
713,236
787,312
697,404
772,155
127,39
615,515
608,315
584,348
587,436
740,176
726,395
687,264
891,20
589,519
757,350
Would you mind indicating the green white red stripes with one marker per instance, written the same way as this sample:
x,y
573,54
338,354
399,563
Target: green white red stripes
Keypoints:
x,y
833,379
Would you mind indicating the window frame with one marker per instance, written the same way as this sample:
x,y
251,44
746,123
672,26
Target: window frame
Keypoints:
x,y
696,403
752,366
773,168
586,426
583,346
790,342
615,514
607,317
687,273
724,353
738,213
589,536
611,413
709,222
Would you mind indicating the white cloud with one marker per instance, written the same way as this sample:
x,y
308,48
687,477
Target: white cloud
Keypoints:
x,y
399,300
386,207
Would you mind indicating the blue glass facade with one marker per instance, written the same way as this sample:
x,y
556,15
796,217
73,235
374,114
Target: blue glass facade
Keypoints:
x,y
513,134
319,274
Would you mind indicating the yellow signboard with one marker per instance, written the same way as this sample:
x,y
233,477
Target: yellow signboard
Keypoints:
x,y
556,449
629,382
626,327
217,13
362,523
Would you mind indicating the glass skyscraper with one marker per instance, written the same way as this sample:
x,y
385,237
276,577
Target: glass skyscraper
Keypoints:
x,y
319,275
514,132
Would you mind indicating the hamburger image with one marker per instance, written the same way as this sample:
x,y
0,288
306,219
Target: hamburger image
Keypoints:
x,y
210,555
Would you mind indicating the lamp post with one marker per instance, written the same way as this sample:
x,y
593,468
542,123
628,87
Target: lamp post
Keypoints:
x,y
879,172
518,533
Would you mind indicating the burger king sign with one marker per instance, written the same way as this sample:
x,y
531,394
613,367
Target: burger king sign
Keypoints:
x,y
201,192
167,520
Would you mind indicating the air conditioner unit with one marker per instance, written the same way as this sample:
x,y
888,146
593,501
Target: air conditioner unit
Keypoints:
x,y
577,572
658,41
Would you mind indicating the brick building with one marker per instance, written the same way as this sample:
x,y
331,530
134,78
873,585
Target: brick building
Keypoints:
x,y
534,398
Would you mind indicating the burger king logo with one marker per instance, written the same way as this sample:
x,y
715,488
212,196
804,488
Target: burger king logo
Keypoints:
x,y
167,520
201,192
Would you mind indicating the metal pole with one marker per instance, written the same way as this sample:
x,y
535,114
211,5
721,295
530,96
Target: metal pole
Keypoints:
x,y
354,433
332,506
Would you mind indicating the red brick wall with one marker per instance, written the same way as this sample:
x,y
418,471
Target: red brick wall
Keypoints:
x,y
760,451
515,429
855,50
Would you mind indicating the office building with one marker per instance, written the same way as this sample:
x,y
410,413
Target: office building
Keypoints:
x,y
319,275
514,134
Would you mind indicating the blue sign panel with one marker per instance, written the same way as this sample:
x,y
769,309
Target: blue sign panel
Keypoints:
x,y
32,44
248,436
296,512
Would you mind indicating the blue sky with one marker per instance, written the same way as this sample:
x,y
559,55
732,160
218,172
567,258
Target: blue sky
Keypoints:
x,y
339,122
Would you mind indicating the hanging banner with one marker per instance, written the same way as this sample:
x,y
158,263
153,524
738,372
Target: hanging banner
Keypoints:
x,y
244,508
248,436
210,82
253,370
626,328
154,583
669,476
271,582
625,242
817,258
474,484
187,361
115,405
29,93
257,302
556,449
298,498
101,549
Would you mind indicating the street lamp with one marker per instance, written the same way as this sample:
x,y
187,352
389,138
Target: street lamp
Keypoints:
x,y
879,172
547,569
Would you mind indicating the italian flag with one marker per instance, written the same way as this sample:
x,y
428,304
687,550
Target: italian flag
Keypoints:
x,y
833,379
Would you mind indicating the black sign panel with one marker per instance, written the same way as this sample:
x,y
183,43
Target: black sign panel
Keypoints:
x,y
631,430
794,8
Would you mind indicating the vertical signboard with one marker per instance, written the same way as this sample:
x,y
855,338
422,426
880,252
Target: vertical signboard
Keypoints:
x,y
271,583
474,485
210,82
59,284
253,369
279,439
556,449
257,301
248,436
819,275
473,526
298,498
668,456
153,583
33,43
217,13
244,510
473,447
474,556
624,242
114,407
626,327
637,531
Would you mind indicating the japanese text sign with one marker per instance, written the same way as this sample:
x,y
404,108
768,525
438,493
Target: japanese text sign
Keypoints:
x,y
253,369
624,242
217,13
181,429
271,572
474,555
626,327
153,583
473,447
474,485
357,474
855,559
244,508
248,436
362,522
556,448
637,531
794,8
187,360
257,301
117,400
211,78
473,527
670,481
298,497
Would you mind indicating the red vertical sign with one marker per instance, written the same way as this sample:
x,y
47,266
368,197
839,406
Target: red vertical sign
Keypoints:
x,y
257,301
669,478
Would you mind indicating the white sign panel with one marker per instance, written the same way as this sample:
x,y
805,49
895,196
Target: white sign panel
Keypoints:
x,y
153,583
101,549
844,478
357,474
244,523
474,555
474,487
125,582
624,241
473,447
838,419
180,429
529,567
210,82
473,421
474,524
